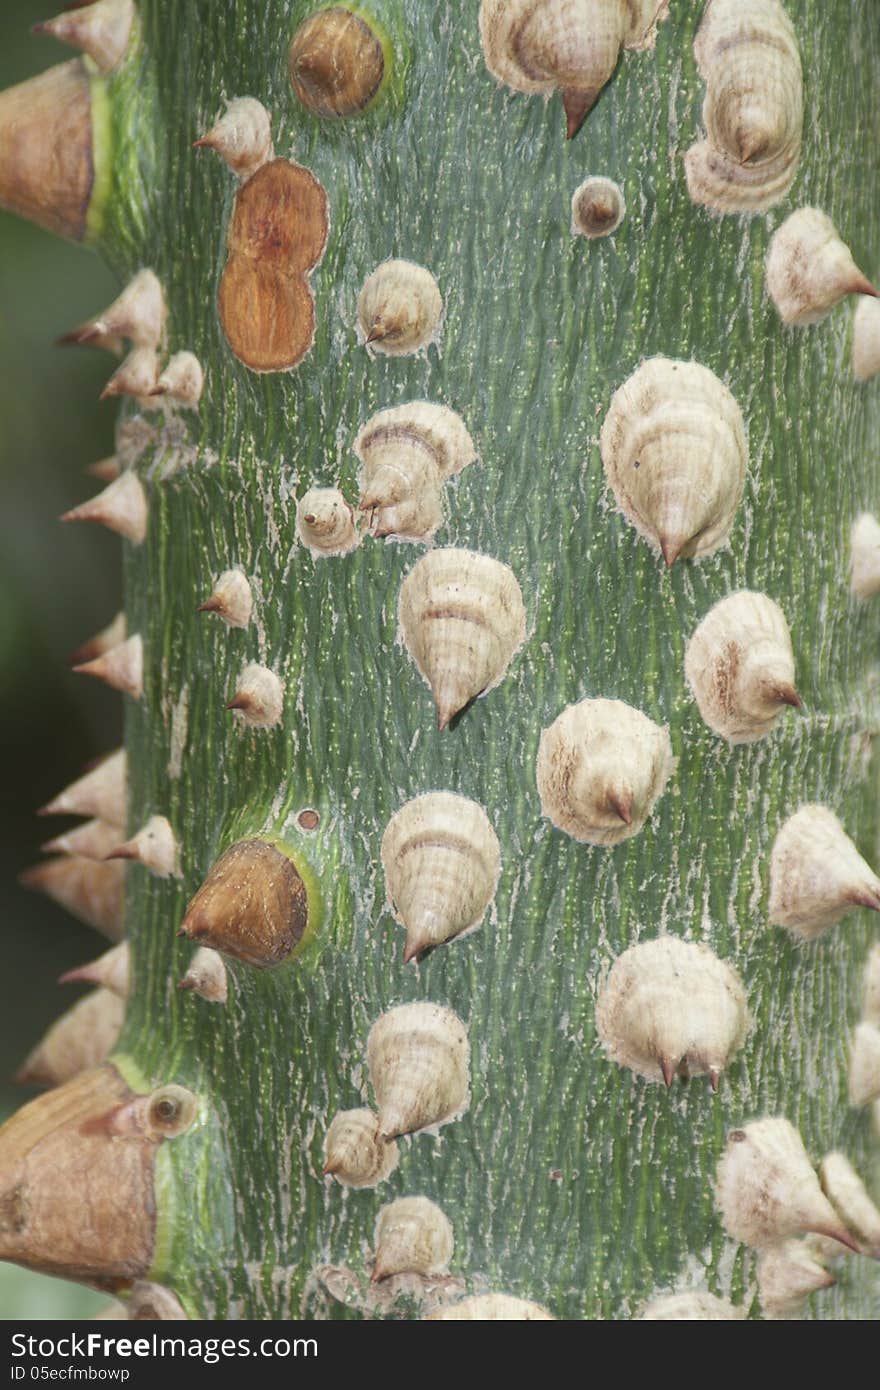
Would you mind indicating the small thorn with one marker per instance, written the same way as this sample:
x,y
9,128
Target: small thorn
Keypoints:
x,y
577,106
839,1234
138,314
668,1071
100,792
329,1169
89,889
90,336
231,599
122,667
242,137
154,846
106,470
860,284
412,950
110,970
89,841
136,376
865,897
103,641
621,804
181,932
752,147
126,851
206,976
670,550
714,1078
102,30
786,695
259,698
376,334
121,507
182,380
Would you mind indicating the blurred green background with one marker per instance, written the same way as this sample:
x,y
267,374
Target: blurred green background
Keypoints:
x,y
58,585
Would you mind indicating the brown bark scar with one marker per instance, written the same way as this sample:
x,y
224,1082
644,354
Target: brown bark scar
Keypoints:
x,y
277,235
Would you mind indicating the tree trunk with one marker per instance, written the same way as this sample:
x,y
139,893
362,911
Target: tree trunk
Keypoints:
x,y
569,1180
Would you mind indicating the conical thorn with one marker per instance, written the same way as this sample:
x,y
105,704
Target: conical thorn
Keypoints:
x,y
412,950
860,284
668,1071
670,549
621,805
840,1234
577,106
786,694
866,897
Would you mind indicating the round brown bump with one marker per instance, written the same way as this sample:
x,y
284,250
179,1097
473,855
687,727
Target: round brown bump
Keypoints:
x,y
308,820
335,62
253,905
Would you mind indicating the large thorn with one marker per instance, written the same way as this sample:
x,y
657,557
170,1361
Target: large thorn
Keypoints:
x,y
47,150
74,1201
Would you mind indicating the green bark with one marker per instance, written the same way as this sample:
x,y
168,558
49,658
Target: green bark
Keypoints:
x,y
540,329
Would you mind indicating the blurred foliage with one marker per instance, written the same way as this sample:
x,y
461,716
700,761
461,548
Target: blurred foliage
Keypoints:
x,y
57,585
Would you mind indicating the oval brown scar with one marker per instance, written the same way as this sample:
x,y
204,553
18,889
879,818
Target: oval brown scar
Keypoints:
x,y
277,235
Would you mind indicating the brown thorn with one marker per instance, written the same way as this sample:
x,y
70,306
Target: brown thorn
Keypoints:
x,y
714,1078
80,337
786,695
840,1235
865,897
621,805
577,106
668,1071
862,285
81,974
670,550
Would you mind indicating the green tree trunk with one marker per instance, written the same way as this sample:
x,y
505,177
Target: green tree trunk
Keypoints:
x,y
568,1181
